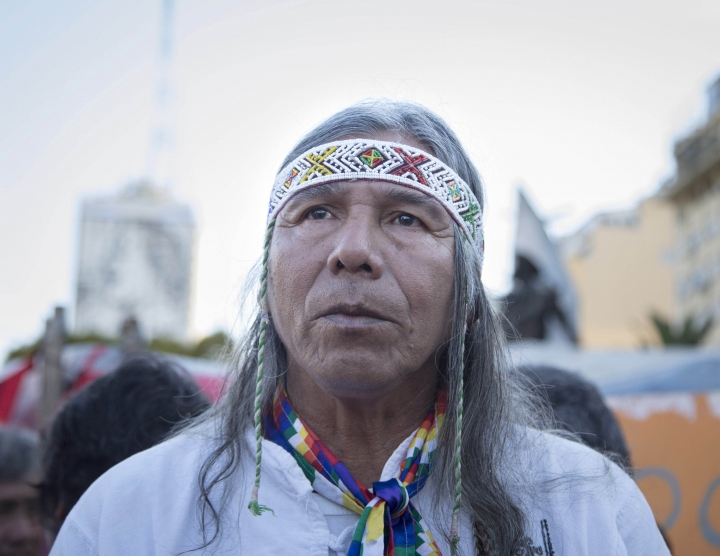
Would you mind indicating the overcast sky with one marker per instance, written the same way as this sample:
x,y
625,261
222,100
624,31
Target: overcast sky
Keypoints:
x,y
578,101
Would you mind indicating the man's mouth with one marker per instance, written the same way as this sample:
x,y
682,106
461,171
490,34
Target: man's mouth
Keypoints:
x,y
353,316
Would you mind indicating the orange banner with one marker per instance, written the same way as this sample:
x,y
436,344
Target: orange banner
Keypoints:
x,y
674,441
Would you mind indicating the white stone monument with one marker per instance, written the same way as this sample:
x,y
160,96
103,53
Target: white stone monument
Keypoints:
x,y
135,260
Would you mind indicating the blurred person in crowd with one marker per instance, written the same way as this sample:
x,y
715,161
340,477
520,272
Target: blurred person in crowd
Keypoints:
x,y
124,412
20,531
579,408
372,410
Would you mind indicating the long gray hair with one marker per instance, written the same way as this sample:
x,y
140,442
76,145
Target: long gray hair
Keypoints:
x,y
496,405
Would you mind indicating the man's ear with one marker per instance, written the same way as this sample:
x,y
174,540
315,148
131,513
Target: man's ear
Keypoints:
x,y
61,513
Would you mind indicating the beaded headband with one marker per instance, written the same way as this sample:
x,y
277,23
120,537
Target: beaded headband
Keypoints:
x,y
370,159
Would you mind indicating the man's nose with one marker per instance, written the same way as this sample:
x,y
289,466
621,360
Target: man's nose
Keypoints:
x,y
358,246
22,528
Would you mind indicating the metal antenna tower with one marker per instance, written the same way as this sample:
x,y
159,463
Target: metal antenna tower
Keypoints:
x,y
159,167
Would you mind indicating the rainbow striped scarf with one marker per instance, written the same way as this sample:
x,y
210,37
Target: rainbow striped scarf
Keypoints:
x,y
389,524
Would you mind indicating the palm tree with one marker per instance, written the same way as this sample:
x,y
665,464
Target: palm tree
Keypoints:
x,y
690,333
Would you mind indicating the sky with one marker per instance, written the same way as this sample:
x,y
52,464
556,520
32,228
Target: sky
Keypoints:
x,y
578,102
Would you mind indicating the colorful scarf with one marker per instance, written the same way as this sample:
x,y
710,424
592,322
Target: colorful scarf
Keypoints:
x,y
389,523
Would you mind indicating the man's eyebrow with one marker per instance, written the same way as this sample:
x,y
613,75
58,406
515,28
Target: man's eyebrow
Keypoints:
x,y
415,198
317,191
396,195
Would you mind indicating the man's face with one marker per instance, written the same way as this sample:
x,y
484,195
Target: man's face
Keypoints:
x,y
20,531
361,284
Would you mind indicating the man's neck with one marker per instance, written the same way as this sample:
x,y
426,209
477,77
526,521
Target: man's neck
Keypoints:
x,y
363,433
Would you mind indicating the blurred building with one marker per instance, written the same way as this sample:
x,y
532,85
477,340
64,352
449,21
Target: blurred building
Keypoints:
x,y
695,193
621,266
135,260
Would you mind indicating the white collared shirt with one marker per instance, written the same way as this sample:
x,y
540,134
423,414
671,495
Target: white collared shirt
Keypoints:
x,y
148,505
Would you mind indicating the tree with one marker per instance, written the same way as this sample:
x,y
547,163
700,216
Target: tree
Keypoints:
x,y
690,333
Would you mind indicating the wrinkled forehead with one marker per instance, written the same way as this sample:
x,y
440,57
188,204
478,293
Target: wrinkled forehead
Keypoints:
x,y
352,160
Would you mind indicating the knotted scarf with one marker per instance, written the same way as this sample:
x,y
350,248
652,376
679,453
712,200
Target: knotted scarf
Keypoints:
x,y
389,523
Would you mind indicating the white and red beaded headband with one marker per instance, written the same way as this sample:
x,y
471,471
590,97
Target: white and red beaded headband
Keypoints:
x,y
370,159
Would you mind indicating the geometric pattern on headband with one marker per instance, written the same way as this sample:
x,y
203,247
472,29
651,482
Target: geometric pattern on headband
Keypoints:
x,y
370,159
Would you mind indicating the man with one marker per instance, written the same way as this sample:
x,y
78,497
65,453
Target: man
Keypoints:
x,y
20,531
120,414
373,411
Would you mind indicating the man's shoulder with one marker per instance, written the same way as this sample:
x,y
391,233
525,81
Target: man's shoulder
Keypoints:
x,y
560,468
551,453
172,463
169,461
583,500
158,485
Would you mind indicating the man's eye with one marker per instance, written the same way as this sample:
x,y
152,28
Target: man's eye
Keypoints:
x,y
8,507
317,214
407,220
33,506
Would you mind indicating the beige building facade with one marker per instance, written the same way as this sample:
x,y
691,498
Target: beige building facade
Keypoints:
x,y
695,193
620,264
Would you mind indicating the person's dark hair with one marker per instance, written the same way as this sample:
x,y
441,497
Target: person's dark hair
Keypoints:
x,y
124,412
579,408
18,454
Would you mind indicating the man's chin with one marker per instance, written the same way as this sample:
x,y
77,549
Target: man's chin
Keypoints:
x,y
357,382
29,549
